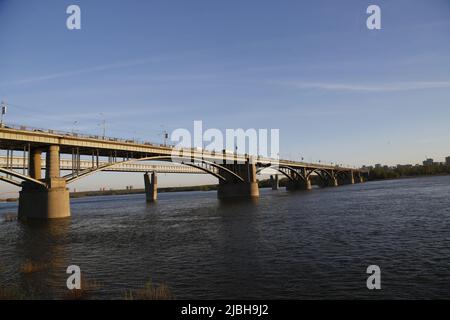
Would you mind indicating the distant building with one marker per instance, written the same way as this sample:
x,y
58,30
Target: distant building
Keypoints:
x,y
447,161
378,166
428,162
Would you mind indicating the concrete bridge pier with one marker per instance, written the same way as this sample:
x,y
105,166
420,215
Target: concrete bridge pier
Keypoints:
x,y
274,182
47,201
330,182
151,187
359,178
333,182
348,178
235,188
35,168
299,184
352,178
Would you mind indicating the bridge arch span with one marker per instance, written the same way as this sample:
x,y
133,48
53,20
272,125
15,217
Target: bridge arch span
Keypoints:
x,y
326,175
343,173
193,162
19,176
321,173
11,181
279,169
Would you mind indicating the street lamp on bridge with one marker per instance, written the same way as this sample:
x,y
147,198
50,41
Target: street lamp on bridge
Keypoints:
x,y
3,107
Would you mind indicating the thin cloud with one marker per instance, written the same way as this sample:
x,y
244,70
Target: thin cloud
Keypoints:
x,y
107,67
385,87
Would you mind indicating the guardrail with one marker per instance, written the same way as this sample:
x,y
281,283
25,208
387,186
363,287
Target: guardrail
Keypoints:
x,y
184,152
67,164
81,135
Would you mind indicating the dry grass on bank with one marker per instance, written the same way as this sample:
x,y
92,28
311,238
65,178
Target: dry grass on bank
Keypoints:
x,y
150,292
11,294
10,217
87,290
31,267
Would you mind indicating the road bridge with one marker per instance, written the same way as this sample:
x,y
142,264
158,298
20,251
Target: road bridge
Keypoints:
x,y
53,152
20,164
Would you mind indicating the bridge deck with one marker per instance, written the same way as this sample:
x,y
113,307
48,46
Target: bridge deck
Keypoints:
x,y
19,163
21,138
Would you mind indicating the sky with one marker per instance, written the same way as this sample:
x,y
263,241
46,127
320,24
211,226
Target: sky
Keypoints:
x,y
337,91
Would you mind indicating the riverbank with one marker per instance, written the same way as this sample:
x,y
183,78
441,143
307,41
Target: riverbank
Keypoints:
x,y
81,194
388,173
408,177
115,192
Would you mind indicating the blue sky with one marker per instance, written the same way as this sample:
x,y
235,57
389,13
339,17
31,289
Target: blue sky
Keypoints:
x,y
336,90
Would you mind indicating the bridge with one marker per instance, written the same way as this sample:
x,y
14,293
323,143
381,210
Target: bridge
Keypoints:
x,y
54,152
20,163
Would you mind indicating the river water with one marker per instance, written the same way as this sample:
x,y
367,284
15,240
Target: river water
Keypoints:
x,y
302,245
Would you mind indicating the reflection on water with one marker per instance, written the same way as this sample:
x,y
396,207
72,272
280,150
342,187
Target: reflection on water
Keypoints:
x,y
285,245
39,256
41,248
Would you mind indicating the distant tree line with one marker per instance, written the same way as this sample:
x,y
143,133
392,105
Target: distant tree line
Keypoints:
x,y
408,171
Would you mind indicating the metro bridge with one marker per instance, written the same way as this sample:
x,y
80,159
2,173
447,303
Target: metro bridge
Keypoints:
x,y
20,164
48,197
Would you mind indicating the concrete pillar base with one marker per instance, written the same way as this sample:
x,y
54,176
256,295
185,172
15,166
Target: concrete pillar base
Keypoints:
x,y
346,181
238,190
330,183
298,185
274,182
43,203
151,187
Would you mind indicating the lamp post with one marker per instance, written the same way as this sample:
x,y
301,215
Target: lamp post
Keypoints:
x,y
4,108
73,126
103,125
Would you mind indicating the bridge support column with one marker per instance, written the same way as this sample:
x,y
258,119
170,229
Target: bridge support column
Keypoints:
x,y
299,184
333,182
151,187
234,188
35,164
37,202
49,201
359,178
352,178
348,178
274,182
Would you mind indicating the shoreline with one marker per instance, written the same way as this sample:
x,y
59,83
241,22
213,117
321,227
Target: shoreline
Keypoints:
x,y
410,177
117,192
211,187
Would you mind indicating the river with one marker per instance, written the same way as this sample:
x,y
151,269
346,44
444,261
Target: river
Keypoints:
x,y
301,245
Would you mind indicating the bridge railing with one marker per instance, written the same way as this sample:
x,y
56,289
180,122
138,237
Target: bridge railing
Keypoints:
x,y
185,151
82,135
